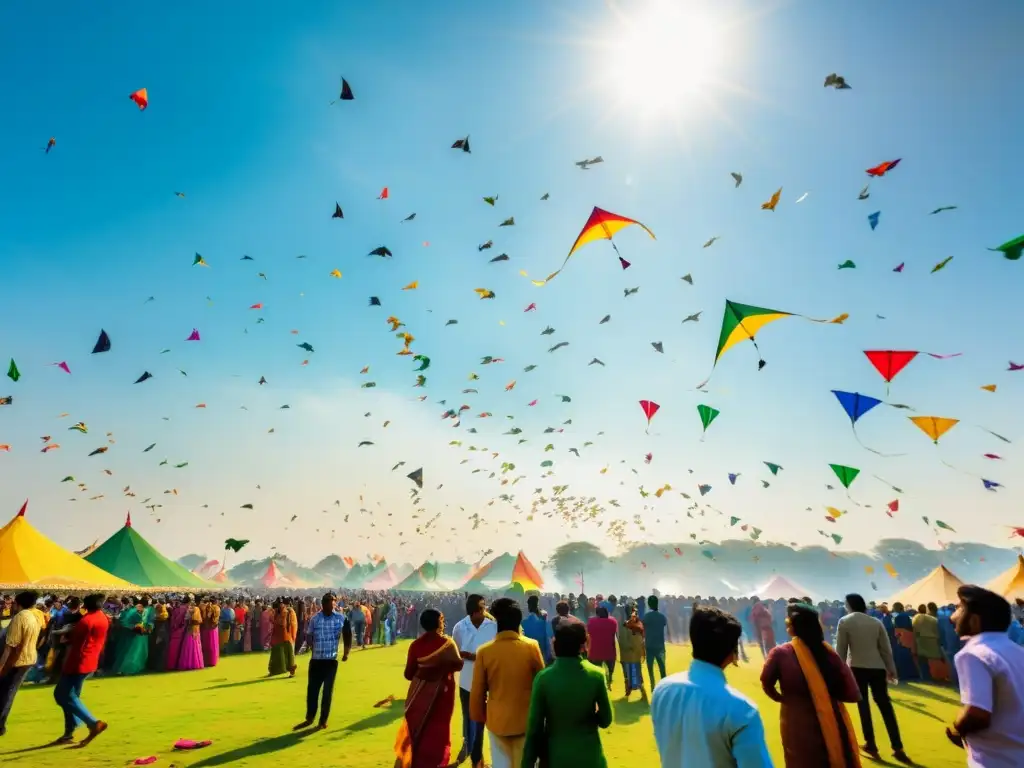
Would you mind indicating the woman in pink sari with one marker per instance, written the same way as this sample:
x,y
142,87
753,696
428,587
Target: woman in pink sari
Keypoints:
x,y
184,651
425,735
266,627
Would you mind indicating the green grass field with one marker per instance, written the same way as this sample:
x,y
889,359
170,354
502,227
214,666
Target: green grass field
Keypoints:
x,y
249,718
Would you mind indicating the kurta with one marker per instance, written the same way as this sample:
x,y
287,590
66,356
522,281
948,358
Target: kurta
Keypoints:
x,y
184,650
424,740
631,643
562,723
802,740
282,642
926,636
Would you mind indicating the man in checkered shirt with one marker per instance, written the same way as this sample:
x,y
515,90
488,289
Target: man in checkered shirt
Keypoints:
x,y
324,632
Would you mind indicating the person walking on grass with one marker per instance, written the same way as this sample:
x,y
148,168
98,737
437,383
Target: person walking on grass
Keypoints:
x,y
324,632
87,639
654,638
502,682
19,653
468,635
862,642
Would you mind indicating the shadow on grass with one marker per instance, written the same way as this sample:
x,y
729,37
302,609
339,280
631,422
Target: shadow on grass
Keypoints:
x,y
630,712
242,683
37,748
261,747
920,709
385,716
935,692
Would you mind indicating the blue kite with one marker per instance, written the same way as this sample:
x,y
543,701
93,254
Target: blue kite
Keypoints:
x,y
873,219
733,476
856,405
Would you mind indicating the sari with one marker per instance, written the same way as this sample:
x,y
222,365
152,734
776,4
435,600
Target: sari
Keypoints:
x,y
208,634
631,653
266,628
282,642
132,651
184,650
904,650
424,736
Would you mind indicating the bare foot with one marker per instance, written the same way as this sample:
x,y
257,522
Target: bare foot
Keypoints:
x,y
94,731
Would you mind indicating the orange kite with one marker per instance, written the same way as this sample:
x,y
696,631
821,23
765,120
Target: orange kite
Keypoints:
x,y
602,225
140,97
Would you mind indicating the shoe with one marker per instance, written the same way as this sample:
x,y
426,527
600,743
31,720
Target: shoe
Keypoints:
x,y
303,724
902,757
871,752
67,738
94,731
321,726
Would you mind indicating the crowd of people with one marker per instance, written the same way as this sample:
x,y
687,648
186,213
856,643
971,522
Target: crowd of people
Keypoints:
x,y
538,684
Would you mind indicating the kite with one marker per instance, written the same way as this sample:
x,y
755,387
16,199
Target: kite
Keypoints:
x,y
845,474
559,345
649,407
140,97
989,387
707,415
491,200
194,336
1015,366
991,485
943,208
774,468
381,251
502,257
737,177
864,194
688,278
410,217
856,405
584,165
889,362
346,92
934,426
462,144
658,346
743,321
485,246
424,362
338,214
899,268
941,264
306,346
451,322
848,264
710,242
509,222
601,225
374,301
694,318
1011,249
836,81
417,477
704,490
256,306
627,292
412,286
383,194
12,371
873,219
335,273
531,307
484,293
883,168
199,261
235,545
772,201
98,451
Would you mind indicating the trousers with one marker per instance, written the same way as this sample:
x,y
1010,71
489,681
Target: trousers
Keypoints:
x,y
655,656
874,680
68,695
472,733
321,675
9,685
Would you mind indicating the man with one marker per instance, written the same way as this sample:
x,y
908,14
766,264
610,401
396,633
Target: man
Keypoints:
x,y
698,719
863,643
563,616
358,620
761,623
654,638
536,627
87,638
991,671
502,683
323,632
19,652
469,634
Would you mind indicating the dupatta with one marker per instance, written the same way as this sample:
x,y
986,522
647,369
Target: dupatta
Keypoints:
x,y
424,691
826,713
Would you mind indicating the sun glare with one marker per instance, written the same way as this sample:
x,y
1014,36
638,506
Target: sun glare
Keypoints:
x,y
663,55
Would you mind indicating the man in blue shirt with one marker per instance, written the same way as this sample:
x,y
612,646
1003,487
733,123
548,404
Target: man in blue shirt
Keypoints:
x,y
536,627
324,632
654,638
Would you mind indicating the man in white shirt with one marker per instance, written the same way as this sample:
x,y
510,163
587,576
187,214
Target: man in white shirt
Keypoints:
x,y
469,634
991,671
699,720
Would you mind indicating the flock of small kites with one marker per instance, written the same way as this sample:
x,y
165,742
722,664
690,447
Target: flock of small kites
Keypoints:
x,y
741,322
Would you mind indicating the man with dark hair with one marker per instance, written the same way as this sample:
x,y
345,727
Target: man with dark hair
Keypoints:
x,y
88,636
537,628
469,634
502,683
654,638
563,616
698,718
991,671
19,651
323,632
863,643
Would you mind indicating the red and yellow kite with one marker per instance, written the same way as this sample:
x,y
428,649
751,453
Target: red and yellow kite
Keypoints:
x,y
602,225
140,97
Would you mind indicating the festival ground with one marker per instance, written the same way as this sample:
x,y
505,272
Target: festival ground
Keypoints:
x,y
249,718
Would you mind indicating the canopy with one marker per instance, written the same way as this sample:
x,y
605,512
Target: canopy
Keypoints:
x,y
525,575
382,579
423,579
781,588
29,559
937,587
275,579
127,555
494,575
356,576
1010,583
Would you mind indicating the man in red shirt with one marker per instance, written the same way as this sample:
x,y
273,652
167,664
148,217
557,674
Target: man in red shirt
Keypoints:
x,y
87,639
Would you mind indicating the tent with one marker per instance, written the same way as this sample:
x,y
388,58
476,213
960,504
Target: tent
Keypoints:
x,y
423,579
502,572
29,559
937,587
525,575
356,576
275,579
452,574
129,556
1010,583
780,588
386,578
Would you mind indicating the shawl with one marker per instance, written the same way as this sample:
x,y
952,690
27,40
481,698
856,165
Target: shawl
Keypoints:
x,y
823,709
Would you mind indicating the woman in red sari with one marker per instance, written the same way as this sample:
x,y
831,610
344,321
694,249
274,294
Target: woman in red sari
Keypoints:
x,y
424,737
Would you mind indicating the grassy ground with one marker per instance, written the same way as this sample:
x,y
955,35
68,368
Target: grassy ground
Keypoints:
x,y
249,718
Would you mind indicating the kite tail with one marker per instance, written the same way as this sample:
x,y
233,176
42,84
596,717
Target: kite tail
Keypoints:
x,y
886,482
994,434
853,500
869,448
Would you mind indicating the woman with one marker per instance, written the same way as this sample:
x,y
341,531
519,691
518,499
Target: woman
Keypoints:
x,y
424,737
184,648
631,653
602,630
816,728
267,625
904,650
132,651
568,704
158,637
282,641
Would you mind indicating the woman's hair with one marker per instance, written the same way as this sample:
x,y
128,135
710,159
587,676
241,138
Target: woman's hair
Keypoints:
x,y
806,625
430,619
533,604
602,612
570,637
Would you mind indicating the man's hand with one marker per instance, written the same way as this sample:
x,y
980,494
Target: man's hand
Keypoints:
x,y
344,657
891,678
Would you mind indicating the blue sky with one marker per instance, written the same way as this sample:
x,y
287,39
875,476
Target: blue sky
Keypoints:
x,y
239,120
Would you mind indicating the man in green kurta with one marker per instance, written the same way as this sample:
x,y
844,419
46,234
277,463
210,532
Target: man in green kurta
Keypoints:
x,y
133,644
568,705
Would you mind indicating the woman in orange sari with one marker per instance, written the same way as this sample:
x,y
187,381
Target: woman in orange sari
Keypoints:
x,y
424,737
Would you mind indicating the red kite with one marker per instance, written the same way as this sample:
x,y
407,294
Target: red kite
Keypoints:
x,y
601,225
140,97
883,168
649,408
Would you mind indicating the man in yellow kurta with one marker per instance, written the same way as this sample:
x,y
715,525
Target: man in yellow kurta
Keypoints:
x,y
18,653
502,683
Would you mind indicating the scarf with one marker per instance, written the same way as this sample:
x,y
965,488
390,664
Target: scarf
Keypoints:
x,y
823,709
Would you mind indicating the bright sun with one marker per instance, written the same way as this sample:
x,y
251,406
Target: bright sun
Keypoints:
x,y
662,55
